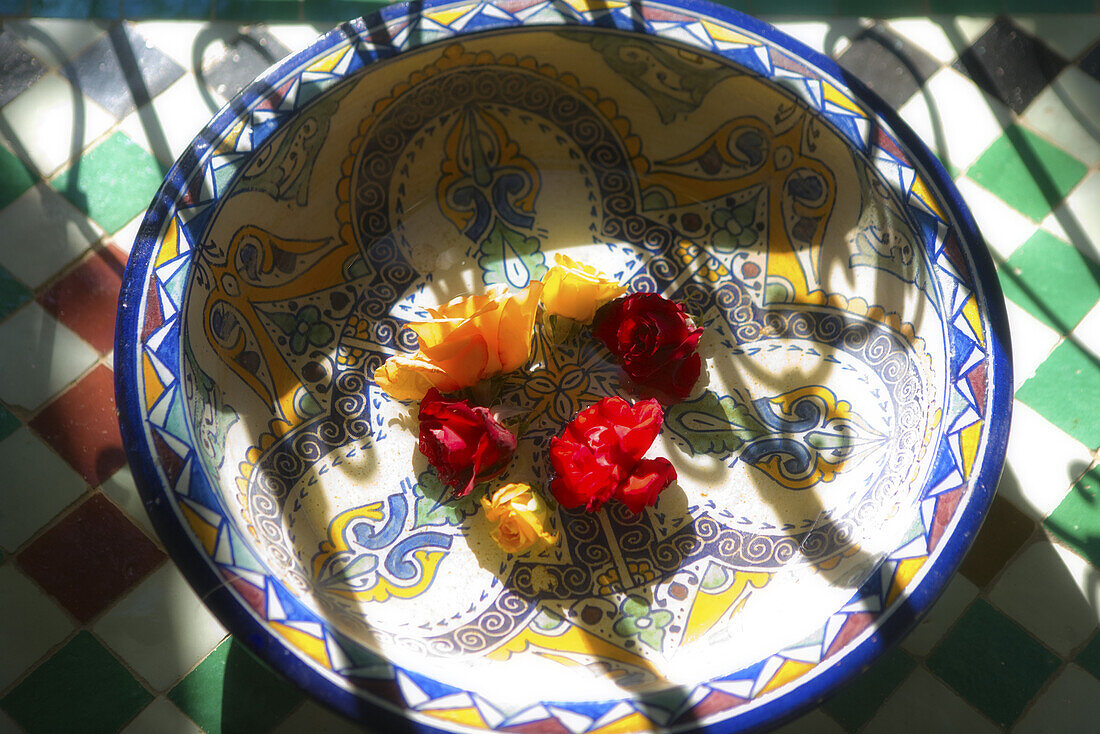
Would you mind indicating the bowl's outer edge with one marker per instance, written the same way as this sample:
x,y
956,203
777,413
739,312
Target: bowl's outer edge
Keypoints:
x,y
893,624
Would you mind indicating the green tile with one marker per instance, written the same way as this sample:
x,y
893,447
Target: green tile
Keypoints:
x,y
992,662
82,688
8,423
859,700
1027,172
257,10
1051,280
13,294
1076,520
1089,658
972,7
335,11
877,8
231,691
795,7
15,177
1064,391
112,183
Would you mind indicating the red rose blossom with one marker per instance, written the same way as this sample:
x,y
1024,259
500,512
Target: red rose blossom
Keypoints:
x,y
599,456
654,340
464,444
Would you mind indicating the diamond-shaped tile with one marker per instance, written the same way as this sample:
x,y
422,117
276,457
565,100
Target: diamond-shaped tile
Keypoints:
x,y
1089,657
857,702
232,691
992,663
82,426
1004,532
954,600
1065,113
1052,281
1046,590
13,294
1064,389
50,122
172,122
15,177
124,493
1071,703
1076,520
162,717
161,628
37,486
90,557
267,10
33,624
1010,63
113,182
313,717
1003,228
43,233
86,299
1077,219
928,34
1090,61
177,9
40,357
18,68
53,41
122,71
924,704
8,423
246,55
82,688
73,8
891,66
1026,171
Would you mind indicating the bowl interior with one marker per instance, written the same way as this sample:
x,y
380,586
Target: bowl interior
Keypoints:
x,y
839,322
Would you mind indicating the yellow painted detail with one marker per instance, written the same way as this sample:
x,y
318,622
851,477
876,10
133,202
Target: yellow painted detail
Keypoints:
x,y
468,716
728,35
969,438
170,245
904,573
708,609
632,722
307,643
970,312
837,97
154,388
920,190
787,672
327,63
204,531
574,641
449,15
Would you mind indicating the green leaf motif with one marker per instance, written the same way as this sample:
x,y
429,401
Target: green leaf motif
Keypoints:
x,y
510,258
435,506
713,425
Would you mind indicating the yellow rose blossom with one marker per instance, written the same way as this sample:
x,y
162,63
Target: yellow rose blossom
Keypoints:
x,y
576,290
520,518
467,340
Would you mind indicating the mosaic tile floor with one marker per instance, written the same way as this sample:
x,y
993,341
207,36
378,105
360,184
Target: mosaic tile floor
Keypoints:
x,y
99,632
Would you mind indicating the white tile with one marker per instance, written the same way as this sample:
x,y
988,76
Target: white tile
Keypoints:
x,y
52,122
316,719
161,628
122,490
7,726
960,122
176,38
1032,343
1087,331
1046,597
161,717
33,623
40,358
1066,113
1003,228
1077,219
923,704
1069,705
167,126
124,238
929,35
43,233
828,36
944,613
55,40
38,484
1042,463
295,36
967,27
1066,34
815,722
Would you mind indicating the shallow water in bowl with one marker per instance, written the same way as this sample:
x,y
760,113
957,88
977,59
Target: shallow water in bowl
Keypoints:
x,y
459,167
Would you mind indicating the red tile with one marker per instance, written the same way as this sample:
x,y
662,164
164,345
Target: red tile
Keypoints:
x,y
86,299
82,426
90,558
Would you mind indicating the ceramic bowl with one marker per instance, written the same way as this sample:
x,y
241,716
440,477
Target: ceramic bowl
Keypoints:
x,y
835,460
